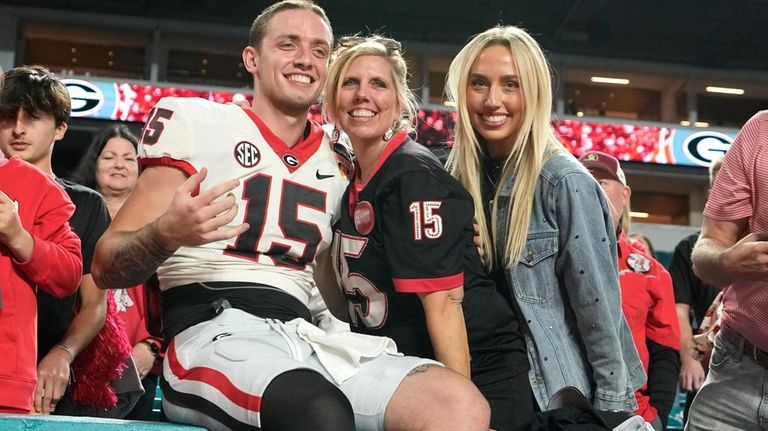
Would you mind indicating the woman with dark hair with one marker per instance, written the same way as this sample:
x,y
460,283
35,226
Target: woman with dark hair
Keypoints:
x,y
110,167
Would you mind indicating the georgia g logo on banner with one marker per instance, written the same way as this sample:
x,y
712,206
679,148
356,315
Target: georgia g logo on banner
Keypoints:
x,y
702,148
86,97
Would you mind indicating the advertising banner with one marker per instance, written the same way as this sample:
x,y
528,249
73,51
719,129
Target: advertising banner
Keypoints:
x,y
124,101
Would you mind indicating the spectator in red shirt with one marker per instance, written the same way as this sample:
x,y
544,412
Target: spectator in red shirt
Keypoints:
x,y
35,109
647,300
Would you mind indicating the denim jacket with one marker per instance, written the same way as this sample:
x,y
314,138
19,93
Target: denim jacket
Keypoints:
x,y
567,286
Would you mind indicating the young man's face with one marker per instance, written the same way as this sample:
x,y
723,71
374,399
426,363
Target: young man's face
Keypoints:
x,y
30,136
291,62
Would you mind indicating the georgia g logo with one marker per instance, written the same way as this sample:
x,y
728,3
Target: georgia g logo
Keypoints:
x,y
703,147
86,98
247,154
291,160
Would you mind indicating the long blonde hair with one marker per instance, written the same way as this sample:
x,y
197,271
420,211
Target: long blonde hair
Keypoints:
x,y
533,145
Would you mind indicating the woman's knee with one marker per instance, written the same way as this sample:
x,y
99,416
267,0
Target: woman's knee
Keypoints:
x,y
438,399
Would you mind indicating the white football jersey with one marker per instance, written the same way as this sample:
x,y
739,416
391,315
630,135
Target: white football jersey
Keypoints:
x,y
290,196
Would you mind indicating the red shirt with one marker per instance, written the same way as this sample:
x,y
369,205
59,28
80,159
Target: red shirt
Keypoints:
x,y
132,309
55,267
648,303
741,191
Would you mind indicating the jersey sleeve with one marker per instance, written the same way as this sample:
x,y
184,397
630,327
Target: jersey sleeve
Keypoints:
x,y
167,138
426,228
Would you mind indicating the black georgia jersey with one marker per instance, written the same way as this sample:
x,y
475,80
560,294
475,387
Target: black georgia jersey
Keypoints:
x,y
408,231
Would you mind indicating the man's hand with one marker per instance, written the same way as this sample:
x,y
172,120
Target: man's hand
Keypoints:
x,y
193,220
52,380
691,374
12,233
748,258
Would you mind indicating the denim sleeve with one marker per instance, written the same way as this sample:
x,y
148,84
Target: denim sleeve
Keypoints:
x,y
588,270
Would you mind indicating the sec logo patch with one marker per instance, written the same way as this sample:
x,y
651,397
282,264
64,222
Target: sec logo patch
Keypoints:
x,y
246,154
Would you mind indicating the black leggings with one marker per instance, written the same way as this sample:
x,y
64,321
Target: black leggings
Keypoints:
x,y
303,400
512,403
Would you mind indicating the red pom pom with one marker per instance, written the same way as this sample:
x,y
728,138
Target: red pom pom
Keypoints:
x,y
101,362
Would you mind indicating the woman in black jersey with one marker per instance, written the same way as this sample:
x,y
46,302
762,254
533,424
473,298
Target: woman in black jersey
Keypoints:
x,y
403,251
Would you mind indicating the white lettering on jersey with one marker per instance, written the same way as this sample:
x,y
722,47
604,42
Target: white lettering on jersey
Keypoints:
x,y
426,223
247,154
365,302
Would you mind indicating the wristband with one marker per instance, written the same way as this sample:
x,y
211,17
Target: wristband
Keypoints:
x,y
68,350
152,347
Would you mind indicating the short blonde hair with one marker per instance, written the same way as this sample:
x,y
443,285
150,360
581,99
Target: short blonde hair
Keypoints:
x,y
346,53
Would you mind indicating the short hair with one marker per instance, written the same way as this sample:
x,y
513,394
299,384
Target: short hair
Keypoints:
x,y
382,47
259,26
85,173
34,89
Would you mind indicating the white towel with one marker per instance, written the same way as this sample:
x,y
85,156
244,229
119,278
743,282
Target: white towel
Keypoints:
x,y
634,423
341,352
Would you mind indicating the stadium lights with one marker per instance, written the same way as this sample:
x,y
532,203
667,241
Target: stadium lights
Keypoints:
x,y
687,123
725,90
606,80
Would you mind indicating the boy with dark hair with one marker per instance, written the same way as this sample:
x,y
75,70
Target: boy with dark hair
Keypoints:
x,y
35,109
38,251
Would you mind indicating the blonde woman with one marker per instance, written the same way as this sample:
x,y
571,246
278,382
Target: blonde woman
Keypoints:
x,y
543,221
403,246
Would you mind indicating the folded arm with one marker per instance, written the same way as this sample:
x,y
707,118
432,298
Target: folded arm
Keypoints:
x,y
721,258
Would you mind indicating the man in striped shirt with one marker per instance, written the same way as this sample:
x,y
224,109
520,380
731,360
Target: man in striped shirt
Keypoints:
x,y
733,252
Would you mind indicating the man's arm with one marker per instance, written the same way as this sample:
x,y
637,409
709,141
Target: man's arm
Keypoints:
x,y
163,213
53,371
663,370
51,240
691,371
721,258
12,233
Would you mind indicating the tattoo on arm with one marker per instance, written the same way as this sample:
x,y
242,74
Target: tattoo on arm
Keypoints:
x,y
135,257
420,369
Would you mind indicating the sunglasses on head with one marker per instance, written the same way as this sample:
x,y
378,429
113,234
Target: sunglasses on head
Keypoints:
x,y
390,44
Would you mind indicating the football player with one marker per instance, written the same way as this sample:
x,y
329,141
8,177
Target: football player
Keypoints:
x,y
231,209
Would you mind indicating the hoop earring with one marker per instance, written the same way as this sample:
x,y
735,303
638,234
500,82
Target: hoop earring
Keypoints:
x,y
335,135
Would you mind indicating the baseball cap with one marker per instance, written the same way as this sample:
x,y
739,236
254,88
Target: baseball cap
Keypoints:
x,y
604,162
